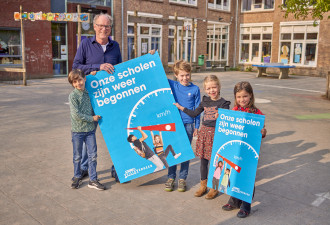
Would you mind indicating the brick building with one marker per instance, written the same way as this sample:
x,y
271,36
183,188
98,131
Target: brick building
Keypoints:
x,y
235,33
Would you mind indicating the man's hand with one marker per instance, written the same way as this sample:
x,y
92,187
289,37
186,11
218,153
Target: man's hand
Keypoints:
x,y
195,132
107,67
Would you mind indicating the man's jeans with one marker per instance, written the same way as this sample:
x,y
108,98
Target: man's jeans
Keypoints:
x,y
185,165
78,138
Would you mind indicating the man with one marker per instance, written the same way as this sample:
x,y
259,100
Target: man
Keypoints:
x,y
99,52
94,54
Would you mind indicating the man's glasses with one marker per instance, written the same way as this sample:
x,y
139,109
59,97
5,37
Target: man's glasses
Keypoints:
x,y
103,26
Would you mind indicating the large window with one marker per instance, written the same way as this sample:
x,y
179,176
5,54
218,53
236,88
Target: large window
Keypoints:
x,y
256,43
149,37
219,4
217,43
10,47
187,2
93,2
186,49
257,5
298,43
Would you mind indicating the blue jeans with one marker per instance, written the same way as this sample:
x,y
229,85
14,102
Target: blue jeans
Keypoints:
x,y
84,158
185,165
78,138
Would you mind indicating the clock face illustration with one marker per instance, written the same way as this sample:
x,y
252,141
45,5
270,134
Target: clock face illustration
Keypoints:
x,y
151,108
236,153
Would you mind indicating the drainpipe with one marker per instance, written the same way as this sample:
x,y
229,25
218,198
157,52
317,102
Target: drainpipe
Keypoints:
x,y
235,44
122,26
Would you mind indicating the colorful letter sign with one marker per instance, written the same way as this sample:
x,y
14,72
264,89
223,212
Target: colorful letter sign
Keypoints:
x,y
136,104
235,153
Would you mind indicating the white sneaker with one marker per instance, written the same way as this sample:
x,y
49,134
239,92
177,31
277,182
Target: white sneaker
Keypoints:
x,y
177,155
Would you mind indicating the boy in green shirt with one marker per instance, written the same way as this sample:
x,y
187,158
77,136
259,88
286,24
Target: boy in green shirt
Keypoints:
x,y
83,122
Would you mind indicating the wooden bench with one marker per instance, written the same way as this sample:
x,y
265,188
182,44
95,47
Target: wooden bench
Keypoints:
x,y
284,70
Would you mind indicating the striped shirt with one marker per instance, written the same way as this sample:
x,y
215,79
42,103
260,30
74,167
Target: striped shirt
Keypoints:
x,y
81,111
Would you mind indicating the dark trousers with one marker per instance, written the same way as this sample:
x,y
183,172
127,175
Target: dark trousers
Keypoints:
x,y
163,155
240,204
204,168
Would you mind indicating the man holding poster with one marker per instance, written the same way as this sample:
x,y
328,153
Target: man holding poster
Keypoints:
x,y
129,103
237,142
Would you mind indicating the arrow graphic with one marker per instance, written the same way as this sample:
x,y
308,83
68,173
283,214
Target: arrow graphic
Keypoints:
x,y
160,127
233,165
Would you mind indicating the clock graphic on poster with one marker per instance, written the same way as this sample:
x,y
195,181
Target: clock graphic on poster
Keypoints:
x,y
235,151
151,108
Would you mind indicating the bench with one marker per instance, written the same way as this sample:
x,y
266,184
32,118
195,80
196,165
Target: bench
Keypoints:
x,y
284,70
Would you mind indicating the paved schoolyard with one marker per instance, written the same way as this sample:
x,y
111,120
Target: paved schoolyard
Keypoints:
x,y
292,183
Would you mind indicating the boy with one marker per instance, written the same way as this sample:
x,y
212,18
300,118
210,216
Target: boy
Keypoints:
x,y
188,95
225,181
83,122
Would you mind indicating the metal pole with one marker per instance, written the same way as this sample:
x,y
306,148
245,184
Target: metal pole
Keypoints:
x,y
23,48
192,41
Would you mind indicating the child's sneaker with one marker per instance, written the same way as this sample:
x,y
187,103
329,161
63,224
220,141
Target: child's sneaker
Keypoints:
x,y
182,185
76,183
242,214
228,207
169,185
96,185
177,155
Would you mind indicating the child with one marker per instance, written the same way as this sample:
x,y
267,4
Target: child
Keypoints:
x,y
244,101
216,175
143,150
83,122
225,181
210,105
159,148
188,95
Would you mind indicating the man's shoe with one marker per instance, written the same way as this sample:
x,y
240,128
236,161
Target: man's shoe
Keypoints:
x,y
76,183
84,174
228,207
242,214
182,185
96,185
169,185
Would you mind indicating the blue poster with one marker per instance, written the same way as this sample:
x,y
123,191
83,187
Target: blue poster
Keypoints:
x,y
235,153
141,127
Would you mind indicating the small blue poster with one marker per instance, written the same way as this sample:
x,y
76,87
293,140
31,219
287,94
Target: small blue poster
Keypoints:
x,y
235,153
141,127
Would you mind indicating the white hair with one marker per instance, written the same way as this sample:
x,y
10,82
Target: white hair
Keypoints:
x,y
103,14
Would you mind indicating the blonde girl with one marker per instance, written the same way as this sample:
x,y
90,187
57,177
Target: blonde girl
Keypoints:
x,y
209,105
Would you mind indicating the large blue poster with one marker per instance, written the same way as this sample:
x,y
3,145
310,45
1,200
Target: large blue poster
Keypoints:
x,y
235,153
141,127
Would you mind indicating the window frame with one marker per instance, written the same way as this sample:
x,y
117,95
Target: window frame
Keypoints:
x,y
10,57
184,2
221,8
253,9
294,42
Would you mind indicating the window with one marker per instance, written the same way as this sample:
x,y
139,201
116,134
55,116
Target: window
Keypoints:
x,y
257,5
219,4
298,43
187,2
149,37
186,50
59,49
92,2
217,44
10,47
256,43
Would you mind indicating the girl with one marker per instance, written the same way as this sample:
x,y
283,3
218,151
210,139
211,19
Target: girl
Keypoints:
x,y
244,101
217,175
159,148
209,105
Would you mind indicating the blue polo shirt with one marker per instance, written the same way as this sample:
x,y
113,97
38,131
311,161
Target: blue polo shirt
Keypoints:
x,y
90,55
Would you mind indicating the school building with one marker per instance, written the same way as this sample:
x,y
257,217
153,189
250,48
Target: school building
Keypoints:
x,y
213,34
